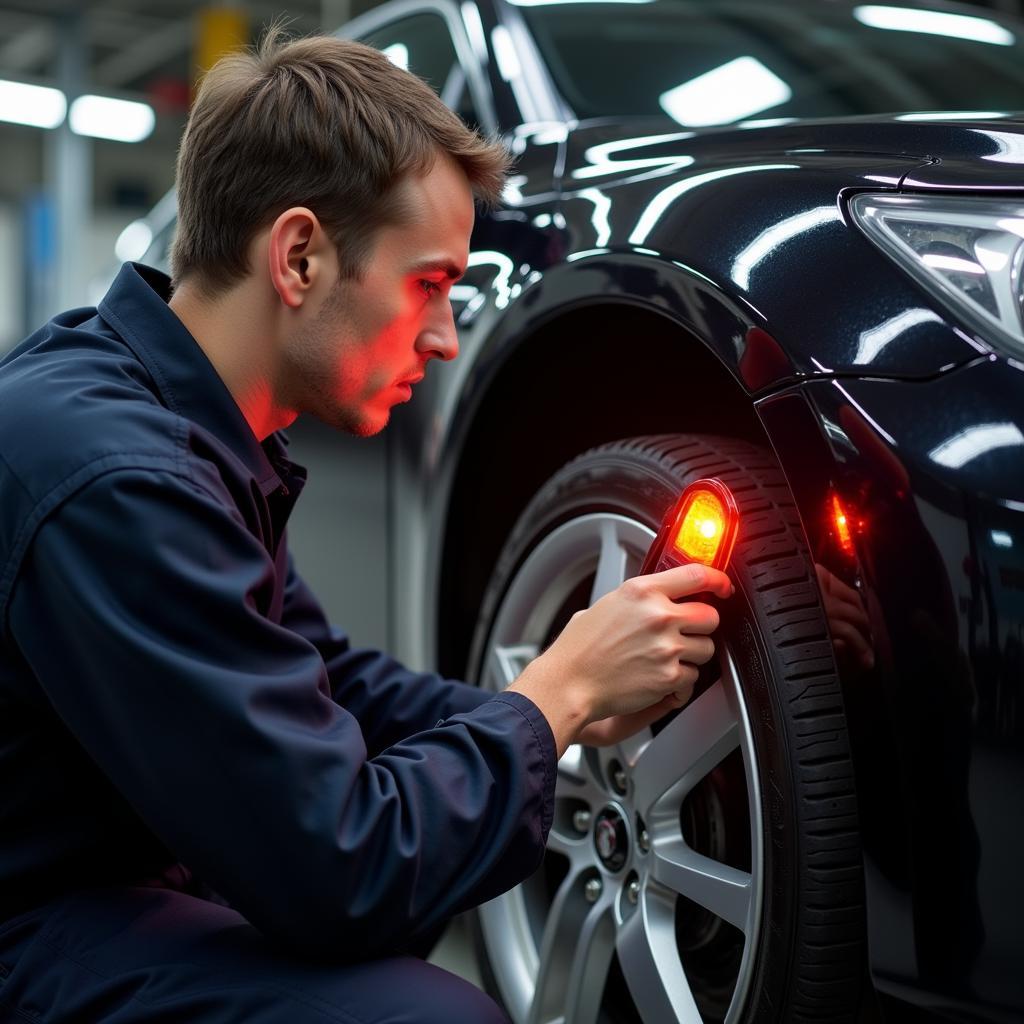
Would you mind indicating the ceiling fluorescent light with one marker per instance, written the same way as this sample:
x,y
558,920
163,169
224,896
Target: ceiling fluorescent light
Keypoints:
x,y
937,23
104,117
732,92
35,105
133,242
398,54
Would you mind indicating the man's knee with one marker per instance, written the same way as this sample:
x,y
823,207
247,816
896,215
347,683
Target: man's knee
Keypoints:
x,y
458,1000
405,990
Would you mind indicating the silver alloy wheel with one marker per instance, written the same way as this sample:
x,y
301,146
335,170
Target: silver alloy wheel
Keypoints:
x,y
551,957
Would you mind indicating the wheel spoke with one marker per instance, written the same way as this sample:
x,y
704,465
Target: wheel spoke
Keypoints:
x,y
723,890
566,846
611,562
646,945
575,780
571,769
507,662
630,749
575,952
589,970
697,739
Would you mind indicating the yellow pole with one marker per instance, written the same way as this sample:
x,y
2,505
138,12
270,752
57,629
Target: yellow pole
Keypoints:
x,y
219,31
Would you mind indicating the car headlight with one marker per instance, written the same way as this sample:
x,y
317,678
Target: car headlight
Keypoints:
x,y
967,252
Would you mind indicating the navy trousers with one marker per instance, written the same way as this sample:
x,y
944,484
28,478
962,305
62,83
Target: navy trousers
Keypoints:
x,y
128,955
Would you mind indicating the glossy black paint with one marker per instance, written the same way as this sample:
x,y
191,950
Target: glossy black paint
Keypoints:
x,y
936,726
742,239
655,217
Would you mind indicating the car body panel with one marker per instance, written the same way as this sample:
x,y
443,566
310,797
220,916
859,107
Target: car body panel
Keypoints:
x,y
712,217
740,237
991,160
939,721
940,916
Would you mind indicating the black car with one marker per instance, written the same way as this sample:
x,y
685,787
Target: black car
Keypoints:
x,y
724,252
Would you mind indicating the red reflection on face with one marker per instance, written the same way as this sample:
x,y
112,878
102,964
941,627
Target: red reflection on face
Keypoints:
x,y
371,339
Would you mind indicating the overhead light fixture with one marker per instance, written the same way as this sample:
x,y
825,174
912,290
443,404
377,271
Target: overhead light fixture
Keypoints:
x,y
103,117
952,115
38,106
936,23
133,241
505,53
398,54
550,3
732,92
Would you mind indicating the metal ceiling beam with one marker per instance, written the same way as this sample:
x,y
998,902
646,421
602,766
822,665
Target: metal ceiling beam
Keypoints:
x,y
29,48
142,37
146,54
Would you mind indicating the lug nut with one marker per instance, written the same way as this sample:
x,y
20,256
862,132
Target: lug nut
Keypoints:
x,y
618,776
581,821
633,891
644,841
592,890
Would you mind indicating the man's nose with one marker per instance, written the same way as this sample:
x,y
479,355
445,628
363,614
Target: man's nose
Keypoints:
x,y
438,339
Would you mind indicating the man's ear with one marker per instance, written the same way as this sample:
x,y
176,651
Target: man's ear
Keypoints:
x,y
296,253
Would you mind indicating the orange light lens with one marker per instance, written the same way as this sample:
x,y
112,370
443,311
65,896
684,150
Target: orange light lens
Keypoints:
x,y
701,528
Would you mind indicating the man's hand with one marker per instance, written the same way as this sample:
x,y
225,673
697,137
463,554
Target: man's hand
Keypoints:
x,y
632,657
610,731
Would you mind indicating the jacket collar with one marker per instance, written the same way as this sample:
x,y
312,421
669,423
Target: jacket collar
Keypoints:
x,y
185,379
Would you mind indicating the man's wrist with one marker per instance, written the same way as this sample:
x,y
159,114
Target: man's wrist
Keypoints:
x,y
562,702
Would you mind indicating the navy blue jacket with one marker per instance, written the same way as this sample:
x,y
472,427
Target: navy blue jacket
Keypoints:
x,y
173,703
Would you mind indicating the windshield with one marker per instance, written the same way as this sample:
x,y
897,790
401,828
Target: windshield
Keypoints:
x,y
706,62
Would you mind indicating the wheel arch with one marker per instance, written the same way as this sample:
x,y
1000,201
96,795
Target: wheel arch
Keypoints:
x,y
588,375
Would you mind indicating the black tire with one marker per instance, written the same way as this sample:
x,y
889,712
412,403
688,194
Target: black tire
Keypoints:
x,y
809,957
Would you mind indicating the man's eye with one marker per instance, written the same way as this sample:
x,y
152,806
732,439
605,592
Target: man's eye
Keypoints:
x,y
430,287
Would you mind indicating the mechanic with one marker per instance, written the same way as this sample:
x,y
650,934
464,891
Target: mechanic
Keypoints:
x,y
213,807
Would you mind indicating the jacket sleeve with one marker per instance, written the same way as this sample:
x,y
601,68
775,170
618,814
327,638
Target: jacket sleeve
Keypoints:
x,y
138,610
389,701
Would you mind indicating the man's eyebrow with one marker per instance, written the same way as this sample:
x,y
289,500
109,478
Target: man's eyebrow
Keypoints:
x,y
439,267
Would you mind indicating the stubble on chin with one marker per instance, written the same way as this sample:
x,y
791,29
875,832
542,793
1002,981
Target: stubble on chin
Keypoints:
x,y
365,427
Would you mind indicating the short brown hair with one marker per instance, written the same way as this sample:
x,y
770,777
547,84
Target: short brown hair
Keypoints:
x,y
320,122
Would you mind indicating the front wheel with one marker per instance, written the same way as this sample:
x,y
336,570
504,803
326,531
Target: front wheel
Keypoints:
x,y
708,869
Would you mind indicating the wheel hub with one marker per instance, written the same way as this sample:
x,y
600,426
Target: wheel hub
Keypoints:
x,y
611,838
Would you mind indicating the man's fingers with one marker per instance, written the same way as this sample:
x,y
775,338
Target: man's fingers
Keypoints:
x,y
697,650
697,617
694,578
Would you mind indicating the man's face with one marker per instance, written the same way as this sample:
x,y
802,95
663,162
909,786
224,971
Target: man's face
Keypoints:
x,y
370,340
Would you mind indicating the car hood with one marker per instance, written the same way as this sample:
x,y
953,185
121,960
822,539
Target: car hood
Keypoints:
x,y
935,150
755,217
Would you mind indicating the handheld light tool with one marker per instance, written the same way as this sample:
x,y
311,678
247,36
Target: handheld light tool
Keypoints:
x,y
700,527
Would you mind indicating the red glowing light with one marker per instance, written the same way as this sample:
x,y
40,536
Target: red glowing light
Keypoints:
x,y
842,524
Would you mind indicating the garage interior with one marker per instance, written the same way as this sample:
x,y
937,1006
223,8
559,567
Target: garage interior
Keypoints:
x,y
73,205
